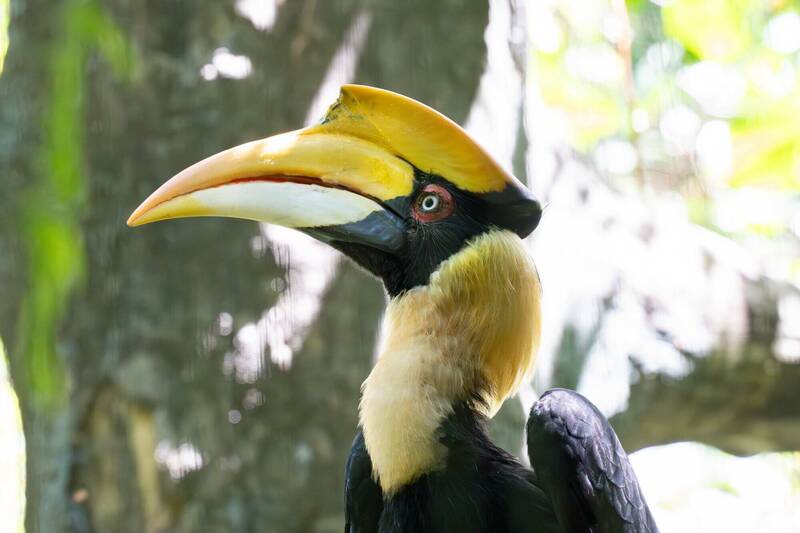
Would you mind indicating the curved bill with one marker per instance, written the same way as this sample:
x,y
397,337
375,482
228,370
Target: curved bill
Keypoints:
x,y
332,185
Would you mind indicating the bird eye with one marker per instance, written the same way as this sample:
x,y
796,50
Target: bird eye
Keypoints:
x,y
433,203
429,203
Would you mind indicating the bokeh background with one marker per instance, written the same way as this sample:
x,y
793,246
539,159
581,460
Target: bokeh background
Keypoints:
x,y
203,375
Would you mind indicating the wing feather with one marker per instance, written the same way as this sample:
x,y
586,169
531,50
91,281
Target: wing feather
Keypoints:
x,y
581,464
363,498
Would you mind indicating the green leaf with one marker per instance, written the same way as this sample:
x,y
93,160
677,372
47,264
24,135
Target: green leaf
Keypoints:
x,y
712,29
592,112
766,147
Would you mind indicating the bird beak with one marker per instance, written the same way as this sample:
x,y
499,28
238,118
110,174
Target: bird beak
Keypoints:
x,y
330,184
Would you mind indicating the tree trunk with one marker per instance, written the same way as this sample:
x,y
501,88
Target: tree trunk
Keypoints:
x,y
142,412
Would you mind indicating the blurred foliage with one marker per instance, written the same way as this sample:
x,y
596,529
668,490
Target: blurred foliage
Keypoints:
x,y
51,208
741,35
699,97
693,62
727,27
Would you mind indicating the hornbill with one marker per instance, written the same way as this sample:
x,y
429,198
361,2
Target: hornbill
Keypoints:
x,y
410,197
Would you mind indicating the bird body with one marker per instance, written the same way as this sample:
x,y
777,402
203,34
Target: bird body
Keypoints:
x,y
478,488
410,197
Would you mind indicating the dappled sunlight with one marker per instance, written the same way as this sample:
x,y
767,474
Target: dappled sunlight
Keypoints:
x,y
691,487
310,266
782,33
226,64
178,459
787,345
342,68
12,453
494,118
262,13
4,20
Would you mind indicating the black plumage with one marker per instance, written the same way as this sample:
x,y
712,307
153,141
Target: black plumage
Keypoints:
x,y
582,480
580,462
480,489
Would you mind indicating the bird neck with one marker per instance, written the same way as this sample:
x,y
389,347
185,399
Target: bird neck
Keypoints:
x,y
469,335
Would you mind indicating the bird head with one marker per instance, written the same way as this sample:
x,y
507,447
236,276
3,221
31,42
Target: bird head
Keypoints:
x,y
390,182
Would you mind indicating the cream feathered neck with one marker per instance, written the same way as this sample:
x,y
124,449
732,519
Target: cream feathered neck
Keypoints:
x,y
474,329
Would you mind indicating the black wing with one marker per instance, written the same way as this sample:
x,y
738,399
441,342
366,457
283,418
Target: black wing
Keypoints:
x,y
580,463
363,497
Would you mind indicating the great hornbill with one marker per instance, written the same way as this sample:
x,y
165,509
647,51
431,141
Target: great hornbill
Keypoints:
x,y
409,196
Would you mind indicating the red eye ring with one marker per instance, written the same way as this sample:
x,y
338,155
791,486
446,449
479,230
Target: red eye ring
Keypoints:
x,y
434,202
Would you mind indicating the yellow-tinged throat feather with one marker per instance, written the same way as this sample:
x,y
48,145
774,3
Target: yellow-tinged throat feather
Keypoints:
x,y
474,329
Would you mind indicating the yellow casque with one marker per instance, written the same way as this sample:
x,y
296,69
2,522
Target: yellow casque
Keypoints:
x,y
366,144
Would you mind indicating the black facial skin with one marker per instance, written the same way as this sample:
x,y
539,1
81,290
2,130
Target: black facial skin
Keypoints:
x,y
427,244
